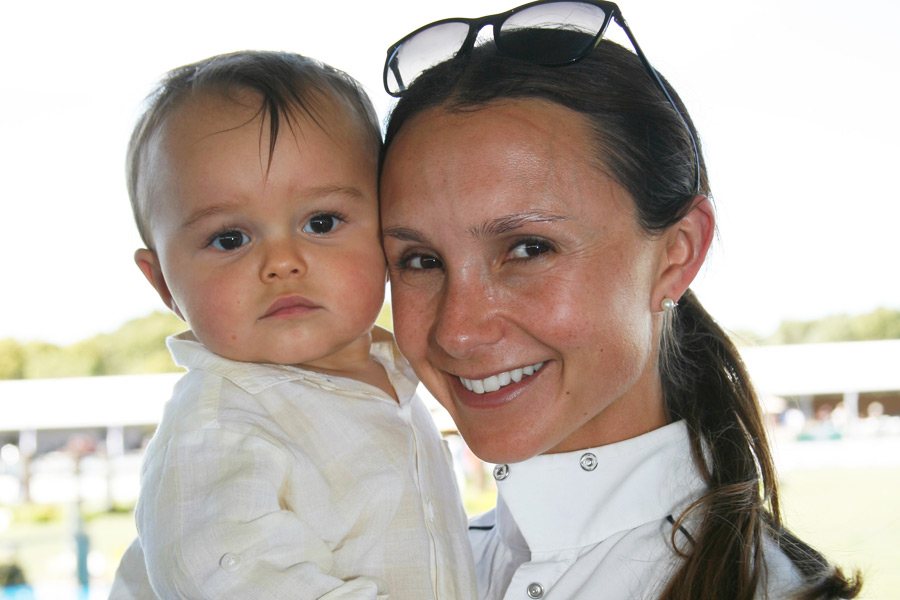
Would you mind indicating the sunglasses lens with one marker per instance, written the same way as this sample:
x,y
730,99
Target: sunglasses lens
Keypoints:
x,y
423,50
552,33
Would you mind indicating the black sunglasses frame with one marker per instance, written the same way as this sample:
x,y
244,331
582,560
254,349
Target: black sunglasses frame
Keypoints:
x,y
611,12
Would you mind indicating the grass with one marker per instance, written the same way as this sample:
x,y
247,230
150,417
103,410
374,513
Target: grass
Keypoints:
x,y
44,547
851,516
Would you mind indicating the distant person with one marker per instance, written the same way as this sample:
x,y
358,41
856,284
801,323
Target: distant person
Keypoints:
x,y
294,459
545,207
794,420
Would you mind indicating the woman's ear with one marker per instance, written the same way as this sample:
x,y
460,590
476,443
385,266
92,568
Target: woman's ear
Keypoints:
x,y
686,245
148,262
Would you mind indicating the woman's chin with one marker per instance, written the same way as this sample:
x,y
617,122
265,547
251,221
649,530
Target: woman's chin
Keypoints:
x,y
498,448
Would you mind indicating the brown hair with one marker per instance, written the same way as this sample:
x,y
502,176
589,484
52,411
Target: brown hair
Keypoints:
x,y
643,144
288,84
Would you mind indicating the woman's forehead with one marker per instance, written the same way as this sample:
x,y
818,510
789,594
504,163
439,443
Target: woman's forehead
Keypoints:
x,y
482,174
529,116
517,138
530,148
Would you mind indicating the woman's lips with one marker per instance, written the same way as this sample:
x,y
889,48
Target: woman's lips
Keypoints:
x,y
500,380
467,390
290,306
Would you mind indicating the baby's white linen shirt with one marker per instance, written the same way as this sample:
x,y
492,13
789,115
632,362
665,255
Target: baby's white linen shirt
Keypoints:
x,y
268,481
594,524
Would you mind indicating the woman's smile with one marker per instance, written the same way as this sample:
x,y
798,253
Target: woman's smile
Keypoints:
x,y
500,380
504,392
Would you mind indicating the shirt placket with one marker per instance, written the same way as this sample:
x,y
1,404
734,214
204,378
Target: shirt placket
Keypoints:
x,y
535,580
428,513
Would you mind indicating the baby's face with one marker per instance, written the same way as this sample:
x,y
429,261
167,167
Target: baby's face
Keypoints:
x,y
279,264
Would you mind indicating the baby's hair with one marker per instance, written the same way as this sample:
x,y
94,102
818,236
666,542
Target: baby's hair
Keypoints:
x,y
288,85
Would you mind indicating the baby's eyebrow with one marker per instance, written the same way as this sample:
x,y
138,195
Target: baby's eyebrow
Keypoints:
x,y
208,211
310,193
332,190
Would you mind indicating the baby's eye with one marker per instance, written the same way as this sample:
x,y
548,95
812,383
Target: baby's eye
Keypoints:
x,y
229,240
321,223
530,249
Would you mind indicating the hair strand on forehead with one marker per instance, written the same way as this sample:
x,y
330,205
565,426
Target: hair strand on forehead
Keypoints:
x,y
287,86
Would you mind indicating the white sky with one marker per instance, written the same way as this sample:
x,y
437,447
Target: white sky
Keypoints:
x,y
795,100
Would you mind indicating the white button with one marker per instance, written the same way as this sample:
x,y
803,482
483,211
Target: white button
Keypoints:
x,y
230,562
588,461
501,472
535,590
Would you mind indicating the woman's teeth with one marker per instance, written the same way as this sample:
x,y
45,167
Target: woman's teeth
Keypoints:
x,y
495,382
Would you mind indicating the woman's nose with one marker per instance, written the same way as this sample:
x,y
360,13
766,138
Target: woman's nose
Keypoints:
x,y
284,259
468,318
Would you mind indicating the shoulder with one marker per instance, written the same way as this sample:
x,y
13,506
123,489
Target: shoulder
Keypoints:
x,y
199,401
209,413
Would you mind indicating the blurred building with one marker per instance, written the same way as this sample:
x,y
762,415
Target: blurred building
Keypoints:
x,y
817,378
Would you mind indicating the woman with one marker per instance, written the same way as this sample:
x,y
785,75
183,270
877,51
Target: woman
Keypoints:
x,y
545,208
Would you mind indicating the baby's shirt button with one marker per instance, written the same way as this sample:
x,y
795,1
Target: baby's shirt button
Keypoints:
x,y
230,562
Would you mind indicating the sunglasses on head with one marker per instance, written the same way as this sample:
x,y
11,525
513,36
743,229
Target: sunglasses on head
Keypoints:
x,y
550,33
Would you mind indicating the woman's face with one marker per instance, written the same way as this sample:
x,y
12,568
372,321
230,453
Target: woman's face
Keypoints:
x,y
522,286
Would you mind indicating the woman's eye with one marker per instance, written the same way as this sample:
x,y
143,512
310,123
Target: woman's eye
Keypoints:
x,y
530,249
323,223
423,262
229,240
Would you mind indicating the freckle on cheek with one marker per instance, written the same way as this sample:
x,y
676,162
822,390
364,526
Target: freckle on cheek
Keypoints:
x,y
233,337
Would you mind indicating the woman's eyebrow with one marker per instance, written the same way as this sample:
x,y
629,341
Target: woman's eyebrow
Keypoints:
x,y
511,222
488,229
404,234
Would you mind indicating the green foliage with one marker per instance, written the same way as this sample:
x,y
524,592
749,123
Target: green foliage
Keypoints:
x,y
139,346
43,360
880,324
136,347
745,337
12,361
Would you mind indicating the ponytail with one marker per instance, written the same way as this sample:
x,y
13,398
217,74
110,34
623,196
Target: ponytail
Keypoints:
x,y
707,385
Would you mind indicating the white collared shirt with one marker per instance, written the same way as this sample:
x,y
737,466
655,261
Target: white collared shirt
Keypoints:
x,y
594,524
268,481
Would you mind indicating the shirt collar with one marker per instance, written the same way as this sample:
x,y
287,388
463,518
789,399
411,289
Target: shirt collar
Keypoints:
x,y
556,501
188,352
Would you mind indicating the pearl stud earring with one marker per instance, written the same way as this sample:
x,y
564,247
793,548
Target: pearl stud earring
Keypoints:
x,y
668,304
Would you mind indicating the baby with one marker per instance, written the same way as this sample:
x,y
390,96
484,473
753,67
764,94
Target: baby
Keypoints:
x,y
294,459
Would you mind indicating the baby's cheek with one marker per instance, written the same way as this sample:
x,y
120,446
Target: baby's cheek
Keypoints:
x,y
219,321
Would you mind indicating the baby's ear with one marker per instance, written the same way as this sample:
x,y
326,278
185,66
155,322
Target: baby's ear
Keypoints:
x,y
148,262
